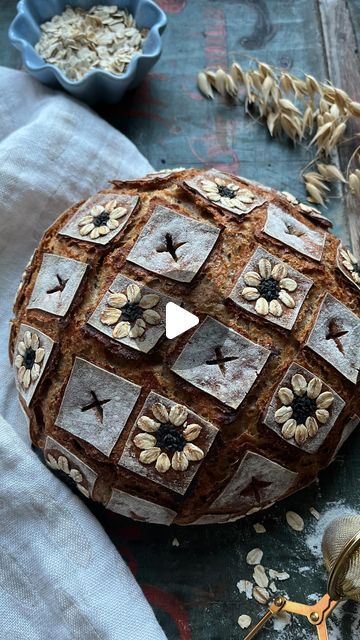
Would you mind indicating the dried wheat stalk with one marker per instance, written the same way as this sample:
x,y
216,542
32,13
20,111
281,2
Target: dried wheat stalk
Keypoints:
x,y
302,109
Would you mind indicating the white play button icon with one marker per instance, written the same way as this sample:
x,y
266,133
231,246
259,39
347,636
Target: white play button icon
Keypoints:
x,y
178,320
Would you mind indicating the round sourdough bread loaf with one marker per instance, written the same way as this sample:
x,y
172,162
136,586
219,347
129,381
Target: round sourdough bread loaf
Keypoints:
x,y
225,419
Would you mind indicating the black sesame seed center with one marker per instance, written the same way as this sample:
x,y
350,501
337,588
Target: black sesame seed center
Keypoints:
x,y
226,192
303,408
269,289
101,219
170,438
29,358
130,312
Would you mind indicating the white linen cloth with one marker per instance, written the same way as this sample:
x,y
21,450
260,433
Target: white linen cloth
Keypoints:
x,y
60,575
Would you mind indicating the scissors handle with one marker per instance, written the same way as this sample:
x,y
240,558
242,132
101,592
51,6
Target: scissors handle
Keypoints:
x,y
259,625
316,614
274,608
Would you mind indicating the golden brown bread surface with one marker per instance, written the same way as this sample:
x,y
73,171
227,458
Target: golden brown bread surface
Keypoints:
x,y
86,387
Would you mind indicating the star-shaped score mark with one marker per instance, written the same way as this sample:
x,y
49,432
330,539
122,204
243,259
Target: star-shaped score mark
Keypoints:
x,y
96,405
60,286
170,246
335,333
254,489
220,360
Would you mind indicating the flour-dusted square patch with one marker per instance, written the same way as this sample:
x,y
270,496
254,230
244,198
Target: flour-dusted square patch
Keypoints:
x,y
303,409
57,284
96,405
79,473
167,443
293,233
100,218
270,288
306,210
158,177
257,483
139,509
173,245
217,518
221,362
347,431
131,314
335,337
349,265
31,354
225,192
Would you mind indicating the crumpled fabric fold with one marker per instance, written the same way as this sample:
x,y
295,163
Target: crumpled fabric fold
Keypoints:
x,y
60,575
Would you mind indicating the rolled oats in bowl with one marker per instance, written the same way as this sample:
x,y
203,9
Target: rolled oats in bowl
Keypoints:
x,y
103,37
94,52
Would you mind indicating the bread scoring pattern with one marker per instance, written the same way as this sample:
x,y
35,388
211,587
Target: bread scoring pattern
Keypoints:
x,y
255,400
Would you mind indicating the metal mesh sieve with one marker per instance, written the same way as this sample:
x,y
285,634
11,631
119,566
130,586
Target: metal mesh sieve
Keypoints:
x,y
337,536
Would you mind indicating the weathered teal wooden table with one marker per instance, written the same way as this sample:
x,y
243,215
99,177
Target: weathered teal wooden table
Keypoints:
x,y
190,575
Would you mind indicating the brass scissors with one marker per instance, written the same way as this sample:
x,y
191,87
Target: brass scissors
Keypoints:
x,y
318,613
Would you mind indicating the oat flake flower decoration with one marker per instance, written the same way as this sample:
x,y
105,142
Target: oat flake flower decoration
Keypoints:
x,y
227,194
167,436
29,358
303,408
62,464
269,287
351,264
101,219
130,312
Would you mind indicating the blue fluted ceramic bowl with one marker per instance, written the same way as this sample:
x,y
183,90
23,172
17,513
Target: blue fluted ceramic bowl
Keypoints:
x,y
24,32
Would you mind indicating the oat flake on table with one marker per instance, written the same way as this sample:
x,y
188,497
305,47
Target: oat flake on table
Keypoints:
x,y
78,41
285,626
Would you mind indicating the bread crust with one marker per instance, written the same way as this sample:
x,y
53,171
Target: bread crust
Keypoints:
x,y
241,429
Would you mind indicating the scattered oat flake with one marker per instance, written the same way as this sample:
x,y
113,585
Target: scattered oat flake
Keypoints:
x,y
314,512
175,543
261,595
244,621
254,556
278,575
260,576
259,528
294,521
272,586
245,586
281,620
